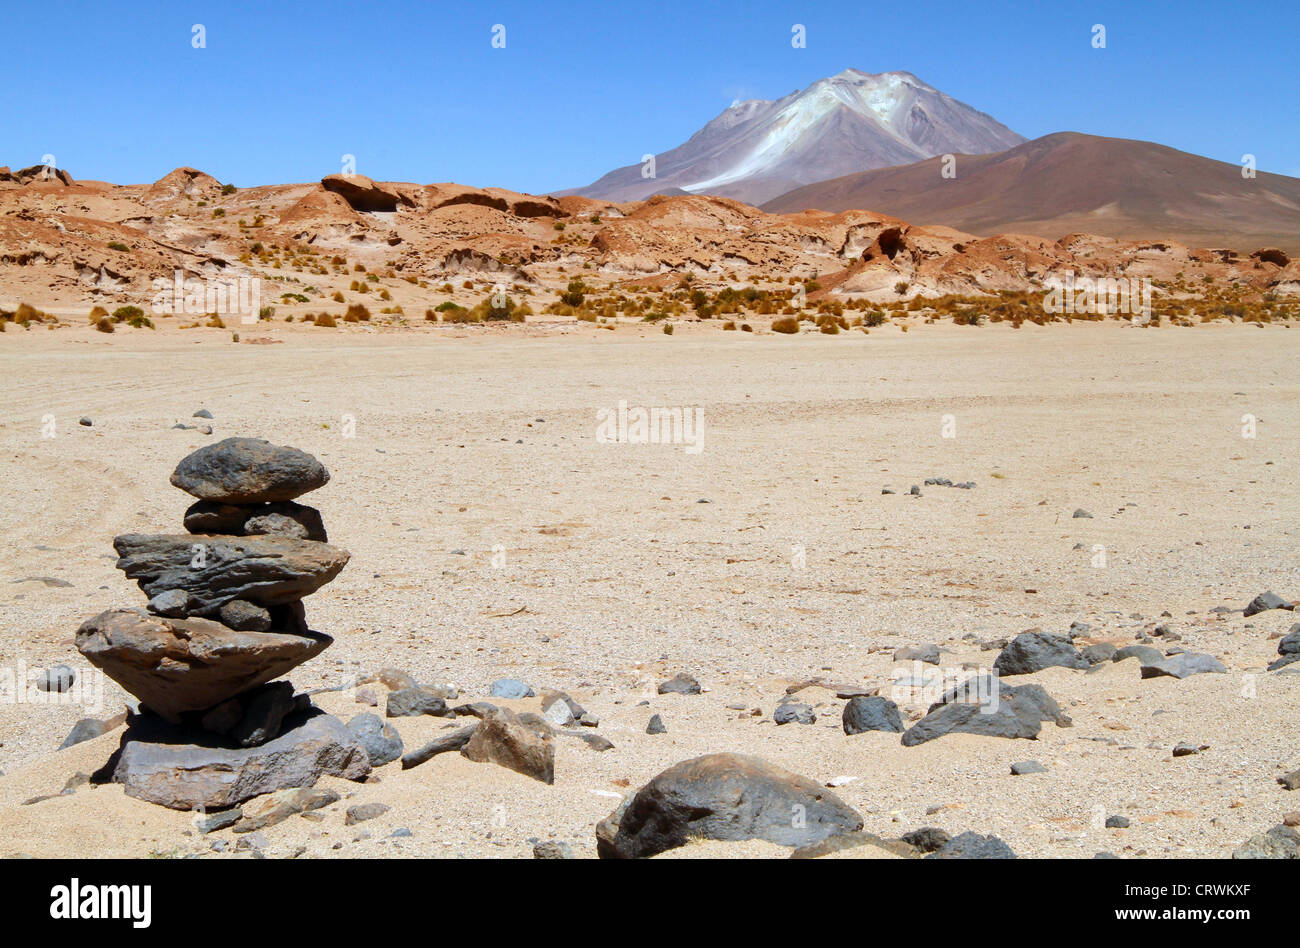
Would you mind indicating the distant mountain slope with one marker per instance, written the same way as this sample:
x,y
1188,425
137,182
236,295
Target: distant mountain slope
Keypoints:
x,y
850,122
1068,182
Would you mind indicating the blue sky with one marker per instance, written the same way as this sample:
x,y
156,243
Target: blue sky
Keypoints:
x,y
116,91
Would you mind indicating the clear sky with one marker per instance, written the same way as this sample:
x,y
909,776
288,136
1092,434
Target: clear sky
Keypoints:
x,y
416,91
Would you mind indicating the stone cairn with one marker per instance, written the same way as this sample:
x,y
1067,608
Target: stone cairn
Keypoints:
x,y
224,619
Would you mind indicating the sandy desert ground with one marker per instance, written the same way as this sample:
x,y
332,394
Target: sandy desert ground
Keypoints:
x,y
446,446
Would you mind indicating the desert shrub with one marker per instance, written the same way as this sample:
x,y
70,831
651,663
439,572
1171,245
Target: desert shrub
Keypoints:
x,y
228,189
385,296
268,312
746,327
830,327
874,318
118,245
123,313
668,329
900,288
574,293
97,313
448,305
219,212
729,325
787,325
104,325
140,322
215,322
461,315
325,319
430,316
357,313
337,297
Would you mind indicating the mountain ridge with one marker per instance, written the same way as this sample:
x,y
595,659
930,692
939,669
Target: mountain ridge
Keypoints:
x,y
756,149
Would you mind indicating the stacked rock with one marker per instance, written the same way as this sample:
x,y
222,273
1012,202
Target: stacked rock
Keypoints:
x,y
224,618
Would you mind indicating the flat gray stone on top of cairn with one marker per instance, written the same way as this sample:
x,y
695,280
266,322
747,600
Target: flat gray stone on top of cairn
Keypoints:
x,y
248,471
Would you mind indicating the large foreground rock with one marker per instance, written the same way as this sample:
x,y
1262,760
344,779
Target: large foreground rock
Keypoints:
x,y
161,763
725,797
179,665
248,471
214,570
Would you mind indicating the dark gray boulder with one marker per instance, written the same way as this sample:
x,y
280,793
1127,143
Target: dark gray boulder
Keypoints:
x,y
1144,653
382,742
983,705
724,797
974,846
1264,602
794,712
680,684
1183,665
413,702
248,471
871,713
1033,651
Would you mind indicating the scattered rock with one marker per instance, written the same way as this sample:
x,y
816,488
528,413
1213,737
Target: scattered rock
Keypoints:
x,y
974,846
1291,781
1080,514
1264,602
279,805
1278,843
920,653
1025,767
985,706
90,728
552,850
501,738
794,711
364,811
449,742
656,725
1144,653
58,679
680,684
723,797
928,839
1182,665
413,702
510,688
1035,650
1117,822
871,713
382,742
1101,652
222,819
